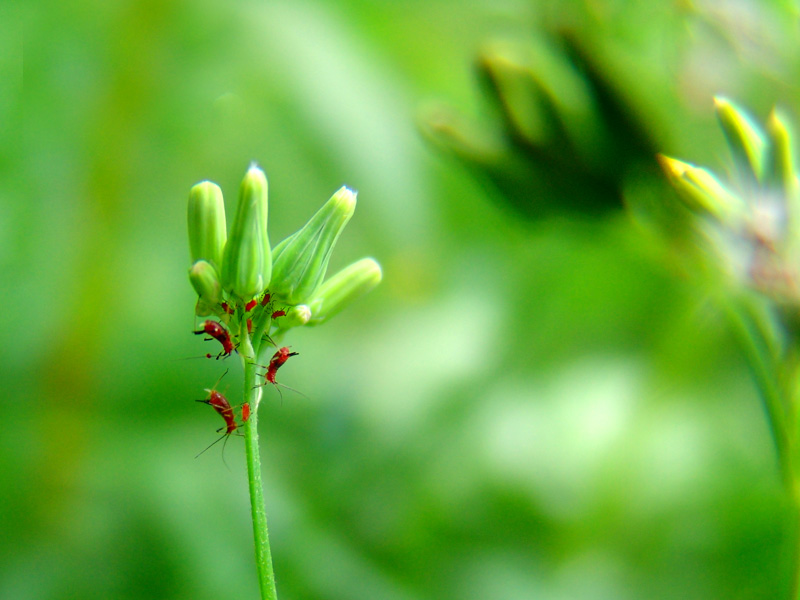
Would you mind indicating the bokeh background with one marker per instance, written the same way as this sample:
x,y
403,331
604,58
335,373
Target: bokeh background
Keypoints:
x,y
535,404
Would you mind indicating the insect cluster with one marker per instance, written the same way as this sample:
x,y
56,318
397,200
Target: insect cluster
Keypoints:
x,y
217,330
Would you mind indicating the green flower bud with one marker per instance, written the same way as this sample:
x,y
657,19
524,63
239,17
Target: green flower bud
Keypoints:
x,y
780,168
744,138
207,232
295,316
278,250
542,96
205,281
343,288
515,91
247,262
701,191
302,259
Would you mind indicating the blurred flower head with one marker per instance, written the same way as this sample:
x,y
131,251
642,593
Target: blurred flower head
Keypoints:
x,y
752,222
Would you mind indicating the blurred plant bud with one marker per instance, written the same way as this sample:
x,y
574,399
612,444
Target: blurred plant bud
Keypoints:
x,y
780,176
744,138
702,192
343,288
779,169
543,97
205,281
756,230
247,261
207,230
567,138
301,260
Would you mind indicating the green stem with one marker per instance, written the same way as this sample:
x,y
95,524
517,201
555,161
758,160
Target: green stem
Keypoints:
x,y
796,549
751,336
252,395
756,339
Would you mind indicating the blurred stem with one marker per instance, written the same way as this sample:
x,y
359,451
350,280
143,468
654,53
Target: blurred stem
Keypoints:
x,y
757,340
252,395
753,337
796,549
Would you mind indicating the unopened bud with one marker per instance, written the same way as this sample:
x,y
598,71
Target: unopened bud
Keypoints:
x,y
247,262
542,95
342,289
744,138
207,233
204,279
295,316
780,168
302,259
701,191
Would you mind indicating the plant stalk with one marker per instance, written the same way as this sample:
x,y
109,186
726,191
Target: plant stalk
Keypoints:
x,y
760,348
252,395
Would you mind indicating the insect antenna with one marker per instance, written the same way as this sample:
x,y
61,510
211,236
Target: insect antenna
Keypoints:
x,y
225,435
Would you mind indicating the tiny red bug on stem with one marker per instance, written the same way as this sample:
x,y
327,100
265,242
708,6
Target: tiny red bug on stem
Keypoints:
x,y
250,305
279,313
276,362
220,404
218,332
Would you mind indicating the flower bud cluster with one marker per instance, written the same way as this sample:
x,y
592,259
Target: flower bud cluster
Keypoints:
x,y
752,222
560,139
252,287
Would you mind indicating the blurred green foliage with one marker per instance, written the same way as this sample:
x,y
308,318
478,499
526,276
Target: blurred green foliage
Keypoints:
x,y
523,409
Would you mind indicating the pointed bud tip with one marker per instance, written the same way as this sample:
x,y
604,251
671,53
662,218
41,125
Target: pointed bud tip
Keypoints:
x,y
372,268
255,175
672,166
301,314
346,198
777,120
205,186
721,102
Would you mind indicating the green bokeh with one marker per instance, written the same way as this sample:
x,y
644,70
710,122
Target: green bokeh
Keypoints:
x,y
548,410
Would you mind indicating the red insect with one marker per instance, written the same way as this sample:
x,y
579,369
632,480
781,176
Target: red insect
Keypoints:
x,y
227,308
250,305
218,332
265,299
278,313
220,404
245,411
276,362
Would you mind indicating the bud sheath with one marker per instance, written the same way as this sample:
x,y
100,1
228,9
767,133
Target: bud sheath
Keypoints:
x,y
342,289
247,261
205,281
744,138
302,259
207,223
701,191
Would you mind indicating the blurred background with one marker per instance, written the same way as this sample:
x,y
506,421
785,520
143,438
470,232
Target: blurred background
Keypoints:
x,y
541,400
